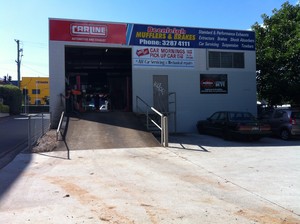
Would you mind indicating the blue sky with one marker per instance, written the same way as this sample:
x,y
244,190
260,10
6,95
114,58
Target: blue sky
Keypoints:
x,y
27,20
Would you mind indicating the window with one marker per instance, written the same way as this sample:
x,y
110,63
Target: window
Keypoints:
x,y
279,114
25,92
214,59
222,117
37,102
218,59
267,115
215,116
238,60
241,116
226,60
36,91
295,115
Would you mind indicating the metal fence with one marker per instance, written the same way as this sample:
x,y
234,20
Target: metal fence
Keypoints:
x,y
26,109
60,131
162,124
38,125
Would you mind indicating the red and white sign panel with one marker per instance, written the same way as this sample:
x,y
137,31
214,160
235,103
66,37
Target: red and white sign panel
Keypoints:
x,y
66,30
163,56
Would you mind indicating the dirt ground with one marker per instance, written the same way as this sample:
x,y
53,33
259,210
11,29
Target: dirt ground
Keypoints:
x,y
47,142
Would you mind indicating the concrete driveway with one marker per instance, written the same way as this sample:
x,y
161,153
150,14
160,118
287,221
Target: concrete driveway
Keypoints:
x,y
107,130
197,179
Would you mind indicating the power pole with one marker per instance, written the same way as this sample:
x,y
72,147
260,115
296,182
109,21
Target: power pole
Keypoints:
x,y
18,61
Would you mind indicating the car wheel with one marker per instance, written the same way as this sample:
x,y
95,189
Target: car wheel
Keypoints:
x,y
226,135
200,129
256,138
284,134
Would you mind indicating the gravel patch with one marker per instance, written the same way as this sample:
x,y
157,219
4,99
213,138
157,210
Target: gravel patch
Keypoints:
x,y
46,143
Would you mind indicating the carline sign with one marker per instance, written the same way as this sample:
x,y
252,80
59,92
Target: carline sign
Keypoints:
x,y
68,30
98,30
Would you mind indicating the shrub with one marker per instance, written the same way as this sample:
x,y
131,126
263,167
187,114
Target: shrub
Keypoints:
x,y
4,108
12,96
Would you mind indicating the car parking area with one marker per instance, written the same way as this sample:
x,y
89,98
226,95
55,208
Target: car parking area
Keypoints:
x,y
197,179
268,168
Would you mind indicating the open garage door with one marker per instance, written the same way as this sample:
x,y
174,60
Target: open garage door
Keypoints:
x,y
102,76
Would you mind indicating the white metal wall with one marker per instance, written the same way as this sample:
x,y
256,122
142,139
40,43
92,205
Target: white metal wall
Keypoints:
x,y
56,80
191,105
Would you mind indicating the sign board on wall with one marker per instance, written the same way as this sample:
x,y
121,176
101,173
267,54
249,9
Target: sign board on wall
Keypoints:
x,y
183,37
213,84
65,30
163,56
150,35
162,36
226,39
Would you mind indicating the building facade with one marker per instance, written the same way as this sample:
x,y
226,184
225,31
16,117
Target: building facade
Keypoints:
x,y
36,89
185,72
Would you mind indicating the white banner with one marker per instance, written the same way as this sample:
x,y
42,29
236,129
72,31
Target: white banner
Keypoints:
x,y
163,57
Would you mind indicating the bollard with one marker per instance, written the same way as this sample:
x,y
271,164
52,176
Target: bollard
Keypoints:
x,y
162,138
147,119
29,134
166,131
43,132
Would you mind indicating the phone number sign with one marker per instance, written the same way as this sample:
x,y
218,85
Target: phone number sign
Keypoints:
x,y
161,36
183,37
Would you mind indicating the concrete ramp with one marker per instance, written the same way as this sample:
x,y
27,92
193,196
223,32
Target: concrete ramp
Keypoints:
x,y
106,130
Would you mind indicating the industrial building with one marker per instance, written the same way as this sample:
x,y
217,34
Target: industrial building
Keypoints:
x,y
185,72
36,90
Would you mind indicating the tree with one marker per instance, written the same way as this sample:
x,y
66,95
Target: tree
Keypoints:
x,y
278,56
12,96
46,99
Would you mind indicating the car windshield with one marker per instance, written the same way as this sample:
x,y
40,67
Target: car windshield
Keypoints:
x,y
241,116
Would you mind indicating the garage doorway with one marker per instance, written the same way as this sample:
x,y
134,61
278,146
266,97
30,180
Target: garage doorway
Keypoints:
x,y
102,76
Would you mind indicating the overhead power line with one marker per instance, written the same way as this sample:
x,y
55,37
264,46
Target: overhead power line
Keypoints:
x,y
34,70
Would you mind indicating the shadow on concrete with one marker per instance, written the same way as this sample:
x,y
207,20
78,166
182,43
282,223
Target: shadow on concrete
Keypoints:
x,y
61,136
183,140
14,132
51,156
9,155
113,118
185,147
11,172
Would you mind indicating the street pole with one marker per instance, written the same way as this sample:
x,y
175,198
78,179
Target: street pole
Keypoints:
x,y
18,61
25,99
36,92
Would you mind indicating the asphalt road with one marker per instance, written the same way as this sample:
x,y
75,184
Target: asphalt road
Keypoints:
x,y
14,134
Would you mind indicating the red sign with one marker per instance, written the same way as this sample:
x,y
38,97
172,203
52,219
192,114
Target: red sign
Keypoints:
x,y
67,30
141,52
88,30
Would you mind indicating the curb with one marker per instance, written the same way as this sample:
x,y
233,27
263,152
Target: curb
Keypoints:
x,y
4,114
